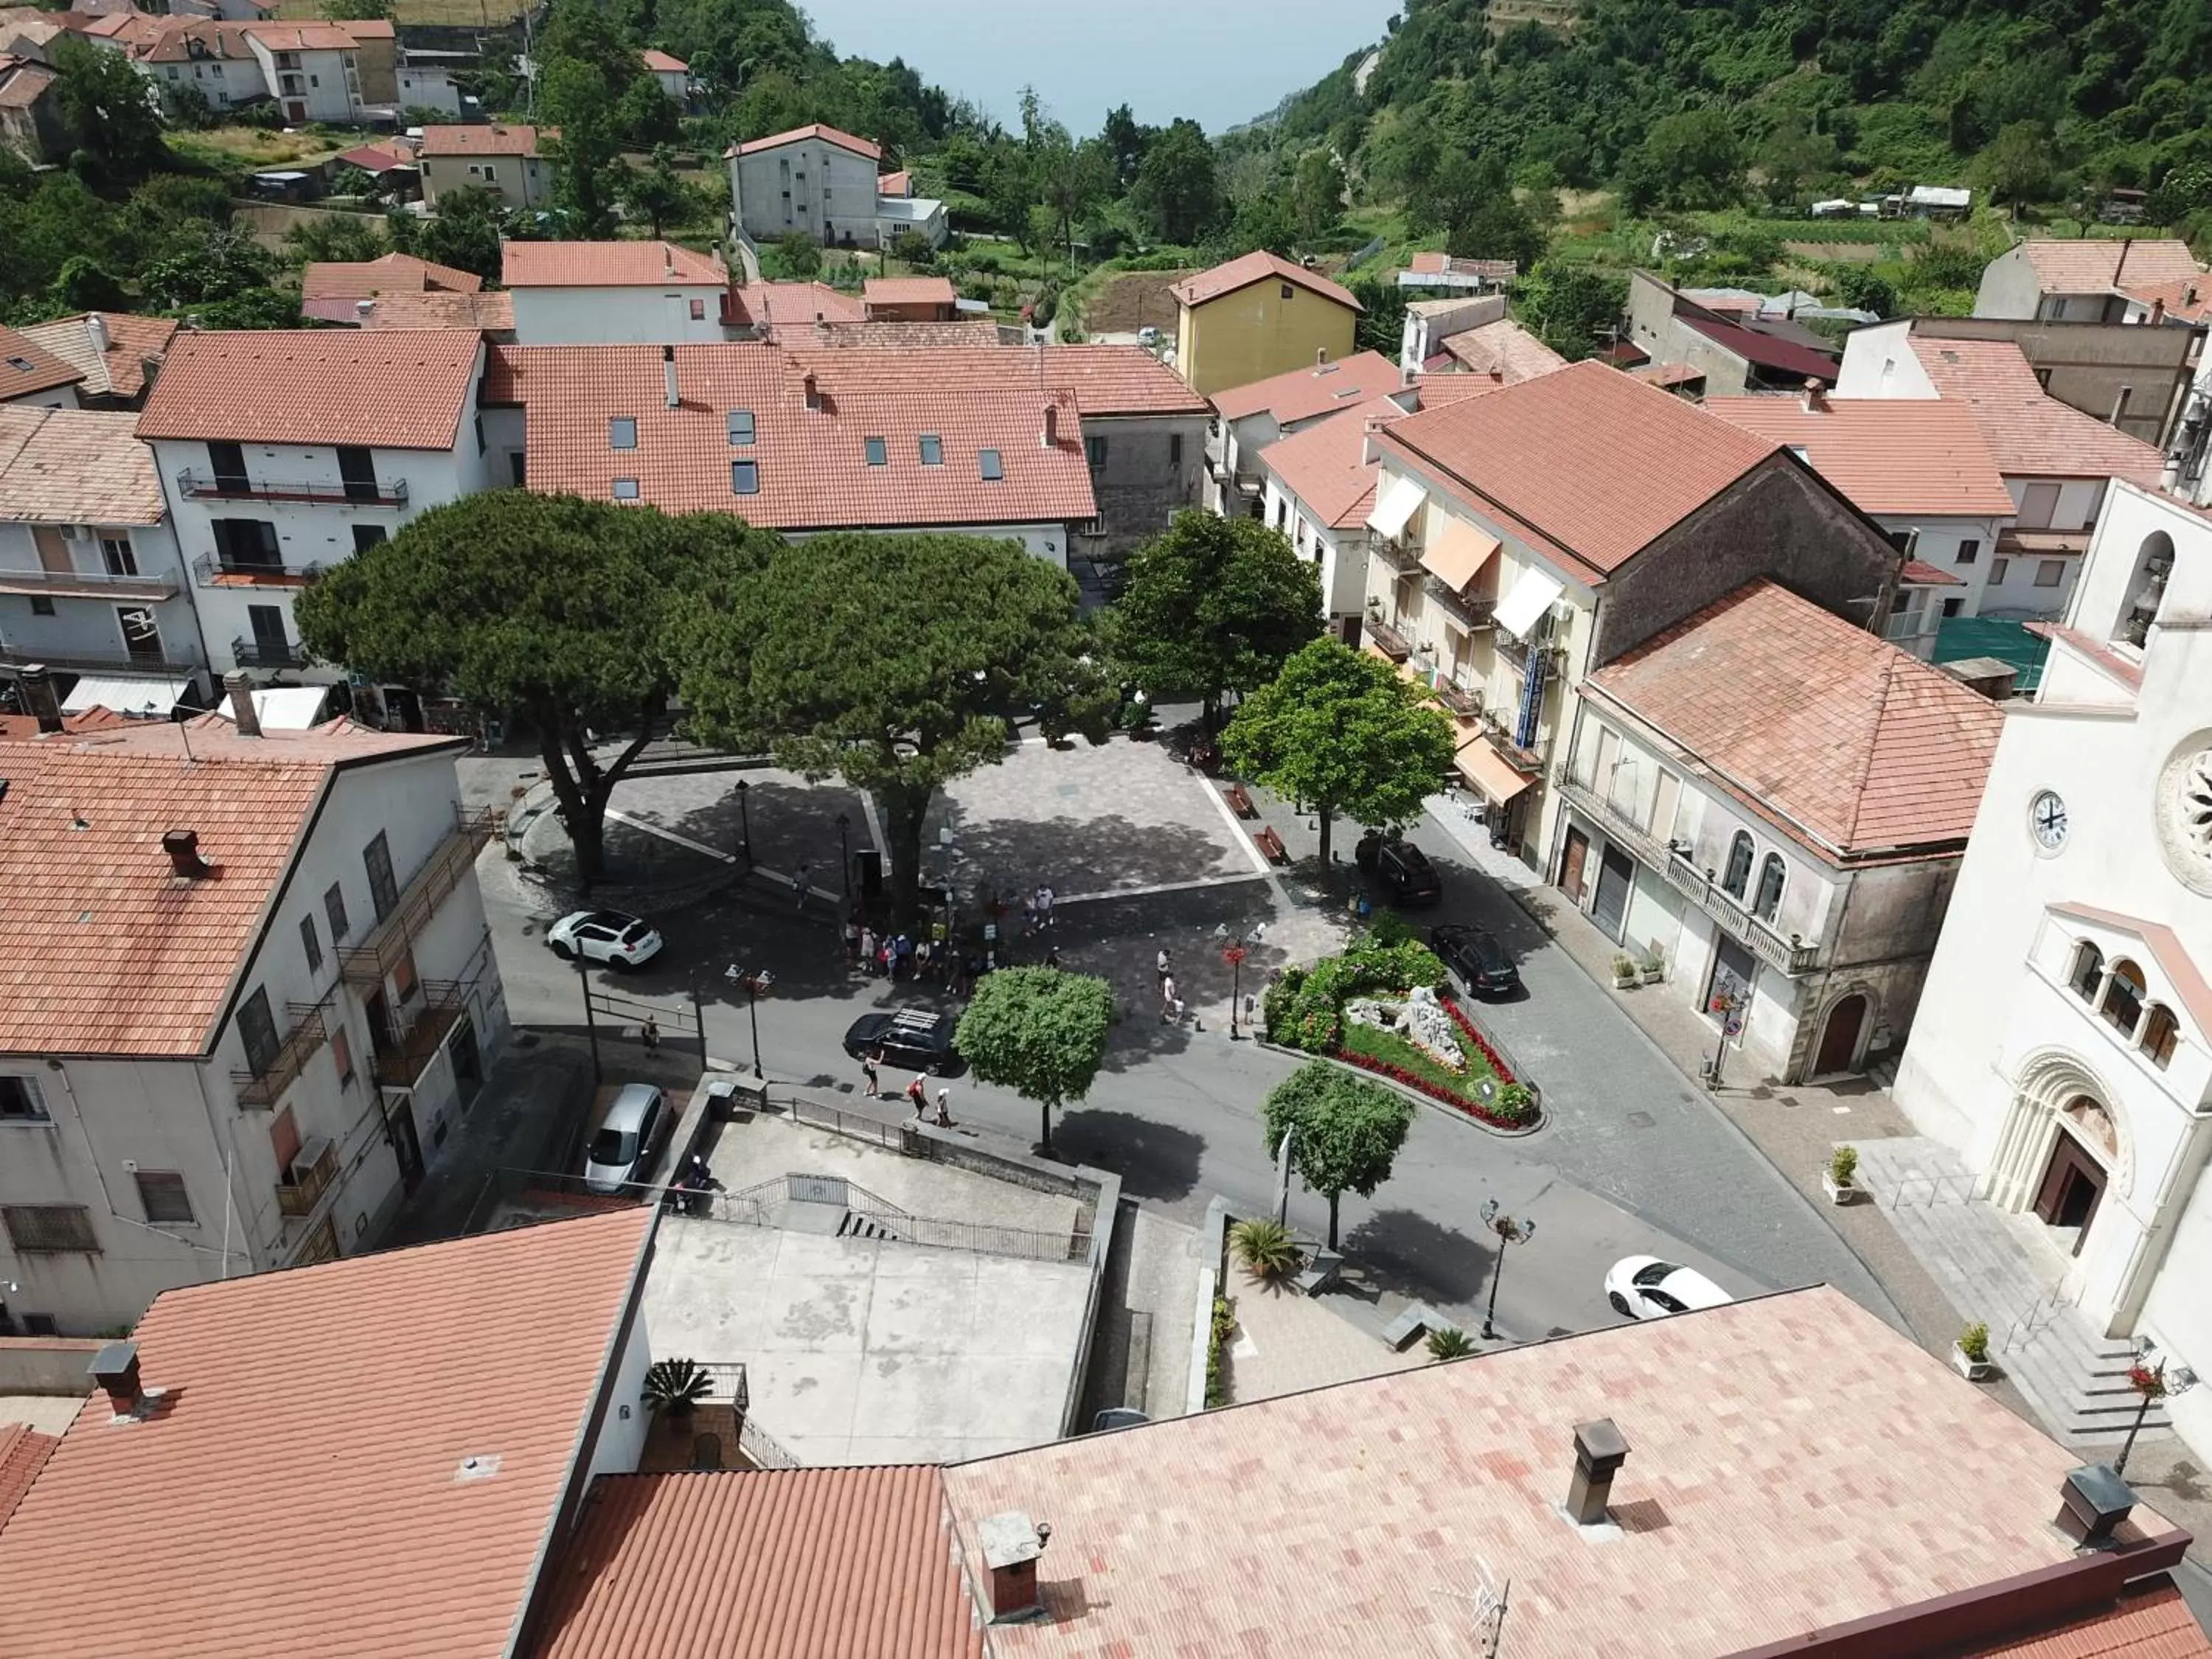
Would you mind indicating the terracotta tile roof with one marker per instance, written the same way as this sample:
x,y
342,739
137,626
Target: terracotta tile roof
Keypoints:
x,y
1919,573
392,389
1323,464
1895,455
365,28
375,158
812,473
813,130
2127,670
497,139
908,291
76,466
1430,263
1109,379
1794,1465
1852,745
1503,349
488,314
2187,300
23,1453
300,37
2165,948
25,84
1589,461
313,1444
174,39
118,372
27,368
661,62
2096,265
1303,393
792,305
606,264
900,184
2145,1622
391,273
1260,266
152,962
796,1563
964,334
2029,432
1764,349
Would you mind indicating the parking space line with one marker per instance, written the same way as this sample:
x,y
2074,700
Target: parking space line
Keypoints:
x,y
653,829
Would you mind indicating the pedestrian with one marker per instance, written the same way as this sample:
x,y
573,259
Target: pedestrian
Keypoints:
x,y
1170,1003
1052,956
902,957
798,881
945,1109
868,946
852,940
1028,916
651,1035
918,1093
870,1073
1160,967
1044,905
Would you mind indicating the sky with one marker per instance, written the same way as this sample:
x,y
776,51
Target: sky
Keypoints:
x,y
1221,61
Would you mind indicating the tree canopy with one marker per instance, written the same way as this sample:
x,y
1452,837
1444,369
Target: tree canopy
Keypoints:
x,y
1038,1031
1345,1130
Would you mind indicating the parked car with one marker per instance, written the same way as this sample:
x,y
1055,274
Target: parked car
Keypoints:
x,y
623,1146
1400,869
610,936
1645,1287
1481,963
1118,1417
912,1038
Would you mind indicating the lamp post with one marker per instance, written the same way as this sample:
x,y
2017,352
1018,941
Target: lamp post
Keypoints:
x,y
2149,1381
1510,1231
1234,956
845,853
745,821
755,983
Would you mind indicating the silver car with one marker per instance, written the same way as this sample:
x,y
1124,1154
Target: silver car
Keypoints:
x,y
628,1140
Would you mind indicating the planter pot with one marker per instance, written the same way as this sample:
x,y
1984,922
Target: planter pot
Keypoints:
x,y
1837,1194
1653,975
1974,1371
1626,981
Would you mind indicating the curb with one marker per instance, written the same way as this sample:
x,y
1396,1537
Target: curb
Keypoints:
x,y
1430,1101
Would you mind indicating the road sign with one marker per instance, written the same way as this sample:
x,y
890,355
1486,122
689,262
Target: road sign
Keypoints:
x,y
1734,1028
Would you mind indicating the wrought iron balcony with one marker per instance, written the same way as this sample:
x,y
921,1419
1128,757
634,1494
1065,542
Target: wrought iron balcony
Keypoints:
x,y
1468,612
87,585
402,1061
202,486
268,653
15,658
1500,734
1401,555
266,1085
1388,639
298,1198
1465,704
366,964
214,570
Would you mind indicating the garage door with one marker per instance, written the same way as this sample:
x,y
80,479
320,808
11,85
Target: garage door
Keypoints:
x,y
1615,875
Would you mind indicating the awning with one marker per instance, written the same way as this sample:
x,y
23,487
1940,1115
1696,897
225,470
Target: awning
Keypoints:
x,y
285,707
152,694
1456,551
1531,596
1481,765
1394,507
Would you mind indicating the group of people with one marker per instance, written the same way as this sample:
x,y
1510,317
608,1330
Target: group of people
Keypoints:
x,y
1036,912
1172,1007
917,1093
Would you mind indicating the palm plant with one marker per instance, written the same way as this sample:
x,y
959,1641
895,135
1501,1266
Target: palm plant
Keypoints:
x,y
1264,1248
1448,1342
675,1386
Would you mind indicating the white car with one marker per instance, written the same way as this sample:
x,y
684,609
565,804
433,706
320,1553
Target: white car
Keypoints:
x,y
608,936
1645,1287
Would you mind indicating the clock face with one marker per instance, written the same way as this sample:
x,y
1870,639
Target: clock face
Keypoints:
x,y
2046,816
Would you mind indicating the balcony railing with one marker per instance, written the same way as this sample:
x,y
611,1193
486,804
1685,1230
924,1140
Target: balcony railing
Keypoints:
x,y
214,570
298,1198
366,964
266,1085
268,653
1786,955
400,1062
202,486
1465,704
1394,551
1500,734
1468,612
14,658
1388,639
87,585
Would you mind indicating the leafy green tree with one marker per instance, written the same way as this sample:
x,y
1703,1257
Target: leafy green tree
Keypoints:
x,y
336,236
549,608
339,11
465,233
2017,168
2182,194
1212,605
1340,731
1261,221
1691,159
798,259
911,247
1178,190
86,285
1572,306
1038,1031
1859,287
897,663
576,99
1345,1130
109,109
659,193
1317,194
1795,156
1381,324
1126,141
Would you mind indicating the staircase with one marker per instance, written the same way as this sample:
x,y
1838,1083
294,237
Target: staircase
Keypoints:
x,y
852,1224
1993,1268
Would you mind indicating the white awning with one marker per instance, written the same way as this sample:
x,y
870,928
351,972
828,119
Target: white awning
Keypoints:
x,y
1531,596
153,695
284,708
1394,508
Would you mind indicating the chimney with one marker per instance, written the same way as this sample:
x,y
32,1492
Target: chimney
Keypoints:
x,y
238,685
115,1368
1011,1548
1321,356
1816,398
1599,1453
362,309
96,330
36,688
2093,1502
668,373
182,847
813,389
2157,313
1051,426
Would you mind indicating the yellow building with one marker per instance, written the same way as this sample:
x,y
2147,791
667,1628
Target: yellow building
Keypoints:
x,y
1258,316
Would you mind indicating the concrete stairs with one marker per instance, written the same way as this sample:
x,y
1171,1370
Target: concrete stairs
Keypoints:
x,y
860,1226
1995,1269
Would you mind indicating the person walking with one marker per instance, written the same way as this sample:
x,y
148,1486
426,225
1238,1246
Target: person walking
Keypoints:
x,y
944,1108
871,1074
918,1093
1160,967
1052,956
798,881
1171,1004
650,1034
852,939
1044,906
867,958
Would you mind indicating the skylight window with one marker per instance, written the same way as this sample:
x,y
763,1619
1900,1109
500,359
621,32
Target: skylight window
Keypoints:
x,y
932,450
21,365
621,432
745,477
879,452
988,460
625,489
741,428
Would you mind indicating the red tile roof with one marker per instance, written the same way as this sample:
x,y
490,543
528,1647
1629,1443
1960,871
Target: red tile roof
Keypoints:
x,y
317,1443
2097,265
1765,351
1260,266
909,291
962,333
2127,672
1431,263
496,139
2030,434
392,389
814,130
2146,1622
76,466
367,29
2187,300
488,314
376,158
174,39
1503,349
153,962
2165,948
301,37
661,62
1886,455
27,368
1323,464
23,1453
812,471
792,305
1919,573
607,264
391,273
899,184
1301,393
1851,745
792,1564
1589,462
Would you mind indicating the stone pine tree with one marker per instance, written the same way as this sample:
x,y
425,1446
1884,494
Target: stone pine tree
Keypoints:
x,y
1038,1031
1345,1130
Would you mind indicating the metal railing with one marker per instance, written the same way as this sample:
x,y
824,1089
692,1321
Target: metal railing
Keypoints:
x,y
214,570
268,653
88,584
367,963
1501,735
763,1205
400,1062
264,1085
1388,639
761,1450
202,486
14,658
1471,613
858,1125
298,1200
1461,702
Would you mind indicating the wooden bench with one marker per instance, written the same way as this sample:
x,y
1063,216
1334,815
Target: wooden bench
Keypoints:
x,y
1240,801
1419,1316
1271,844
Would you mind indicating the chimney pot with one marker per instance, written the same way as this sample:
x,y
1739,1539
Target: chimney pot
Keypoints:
x,y
813,390
1816,398
2093,1501
668,373
1321,355
238,686
1051,426
182,847
96,330
1600,1451
36,687
1011,1546
362,307
115,1368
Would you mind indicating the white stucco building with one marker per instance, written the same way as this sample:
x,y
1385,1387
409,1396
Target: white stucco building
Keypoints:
x,y
2064,1042
615,294
1249,418
813,181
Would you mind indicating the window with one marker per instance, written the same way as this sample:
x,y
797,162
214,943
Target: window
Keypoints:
x,y
1771,878
342,1052
1174,449
625,489
403,982
142,636
1282,514
1902,540
1952,607
1737,876
932,450
745,477
621,432
312,944
1287,290
1999,568
518,463
1665,800
383,891
1968,552
2123,997
2039,505
41,606
987,462
257,1029
20,1101
357,470
334,909
115,553
49,1229
2049,573
21,365
879,452
366,536
2120,404
741,428
162,1198
2088,968
698,311
481,443
1094,452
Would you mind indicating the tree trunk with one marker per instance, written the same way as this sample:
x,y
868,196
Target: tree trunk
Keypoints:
x,y
902,815
1044,1133
583,787
1333,1199
1322,812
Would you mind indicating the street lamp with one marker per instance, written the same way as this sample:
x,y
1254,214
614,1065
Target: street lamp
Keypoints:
x,y
2151,1384
755,983
845,853
746,819
1510,1231
1234,956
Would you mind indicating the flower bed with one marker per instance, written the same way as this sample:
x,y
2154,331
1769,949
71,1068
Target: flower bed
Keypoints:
x,y
1511,1105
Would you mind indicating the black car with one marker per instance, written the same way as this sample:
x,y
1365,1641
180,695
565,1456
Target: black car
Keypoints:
x,y
1478,959
1400,869
914,1039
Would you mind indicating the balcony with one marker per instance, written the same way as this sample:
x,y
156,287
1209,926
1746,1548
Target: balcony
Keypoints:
x,y
204,486
1786,955
1500,735
87,585
15,659
312,1172
1463,703
1471,613
266,1085
400,1062
268,653
1401,556
1388,639
214,570
366,964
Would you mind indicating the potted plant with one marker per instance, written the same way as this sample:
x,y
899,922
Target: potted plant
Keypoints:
x,y
1625,972
674,1386
1448,1342
1654,966
1265,1248
1838,1179
1970,1354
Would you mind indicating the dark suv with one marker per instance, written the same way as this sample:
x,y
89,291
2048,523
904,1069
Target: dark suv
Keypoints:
x,y
912,1038
1478,959
1400,869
